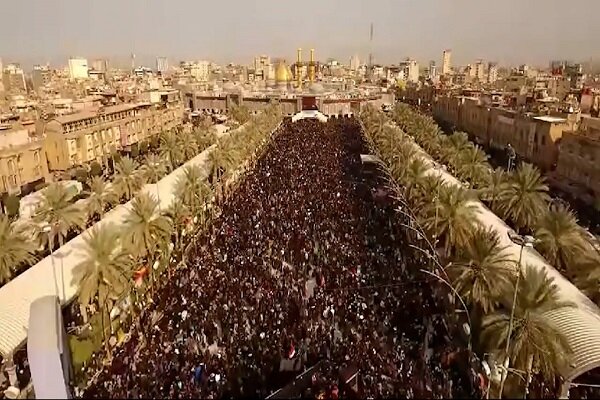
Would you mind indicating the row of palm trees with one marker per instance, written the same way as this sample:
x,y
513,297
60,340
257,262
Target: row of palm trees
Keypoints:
x,y
57,217
520,197
159,240
479,268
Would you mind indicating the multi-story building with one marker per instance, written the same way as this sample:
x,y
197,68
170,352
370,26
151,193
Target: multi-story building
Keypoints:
x,y
411,70
354,63
40,76
446,62
14,79
162,64
78,68
432,71
492,76
100,65
93,135
479,71
534,137
200,70
577,168
22,161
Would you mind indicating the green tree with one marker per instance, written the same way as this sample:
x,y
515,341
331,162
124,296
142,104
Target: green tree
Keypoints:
x,y
560,238
189,145
16,249
525,198
56,211
496,183
482,271
128,179
452,218
192,189
145,229
471,165
535,342
170,149
154,169
100,197
104,271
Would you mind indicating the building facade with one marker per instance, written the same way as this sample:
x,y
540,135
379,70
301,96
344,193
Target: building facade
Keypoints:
x,y
534,138
13,79
200,70
78,68
162,64
88,136
40,76
446,62
22,161
579,159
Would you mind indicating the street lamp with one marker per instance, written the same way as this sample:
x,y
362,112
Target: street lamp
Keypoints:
x,y
48,230
523,241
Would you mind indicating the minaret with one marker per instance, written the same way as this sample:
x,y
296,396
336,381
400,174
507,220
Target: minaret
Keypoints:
x,y
311,66
299,69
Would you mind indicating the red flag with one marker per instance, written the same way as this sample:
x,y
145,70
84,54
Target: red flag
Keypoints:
x,y
138,276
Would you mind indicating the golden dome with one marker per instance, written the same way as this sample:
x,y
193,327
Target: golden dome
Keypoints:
x,y
283,72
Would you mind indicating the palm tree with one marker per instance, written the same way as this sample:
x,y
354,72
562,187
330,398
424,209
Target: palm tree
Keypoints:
x,y
482,270
16,248
205,138
145,229
220,161
525,197
128,179
560,238
104,270
414,175
189,145
56,211
192,189
154,169
452,218
495,184
535,343
170,149
100,196
471,165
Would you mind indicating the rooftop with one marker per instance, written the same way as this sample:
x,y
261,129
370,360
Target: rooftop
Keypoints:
x,y
65,119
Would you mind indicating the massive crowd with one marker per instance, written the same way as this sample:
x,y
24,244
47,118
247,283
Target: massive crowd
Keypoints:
x,y
302,265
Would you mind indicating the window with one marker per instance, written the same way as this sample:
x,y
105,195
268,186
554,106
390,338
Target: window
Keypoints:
x,y
543,140
36,157
11,166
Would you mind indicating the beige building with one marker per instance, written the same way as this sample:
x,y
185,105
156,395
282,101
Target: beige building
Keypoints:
x,y
93,135
579,160
78,68
534,138
22,160
13,79
446,62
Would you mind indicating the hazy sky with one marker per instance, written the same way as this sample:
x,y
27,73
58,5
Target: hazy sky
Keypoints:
x,y
508,31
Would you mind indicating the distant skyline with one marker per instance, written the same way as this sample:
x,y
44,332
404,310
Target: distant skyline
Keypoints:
x,y
509,31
